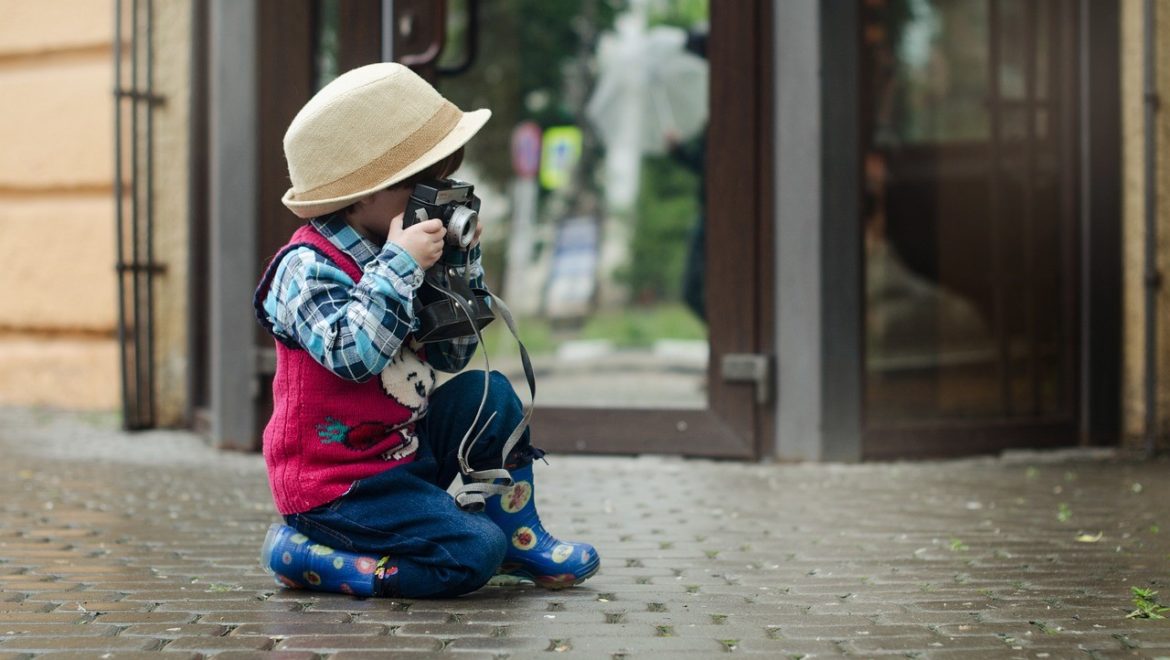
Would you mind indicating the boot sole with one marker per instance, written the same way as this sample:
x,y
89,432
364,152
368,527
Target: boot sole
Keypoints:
x,y
551,582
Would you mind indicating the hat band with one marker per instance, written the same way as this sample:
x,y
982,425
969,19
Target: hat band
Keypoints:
x,y
392,161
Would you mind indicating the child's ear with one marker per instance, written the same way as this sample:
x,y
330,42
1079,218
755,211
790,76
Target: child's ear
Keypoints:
x,y
362,202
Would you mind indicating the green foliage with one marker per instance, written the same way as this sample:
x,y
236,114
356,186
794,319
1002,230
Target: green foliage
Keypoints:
x,y
525,49
685,14
665,215
1146,602
536,333
636,327
641,326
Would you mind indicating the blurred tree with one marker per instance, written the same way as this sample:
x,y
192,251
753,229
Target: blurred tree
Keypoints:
x,y
525,50
667,208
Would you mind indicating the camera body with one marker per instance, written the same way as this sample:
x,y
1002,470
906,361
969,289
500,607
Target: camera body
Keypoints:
x,y
446,305
450,200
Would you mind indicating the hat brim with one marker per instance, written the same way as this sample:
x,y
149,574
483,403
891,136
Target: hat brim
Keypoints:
x,y
469,124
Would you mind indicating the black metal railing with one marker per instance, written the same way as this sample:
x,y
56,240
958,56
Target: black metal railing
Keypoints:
x,y
134,102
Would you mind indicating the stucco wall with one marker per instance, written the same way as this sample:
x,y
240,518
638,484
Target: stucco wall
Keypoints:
x,y
1134,233
56,210
57,228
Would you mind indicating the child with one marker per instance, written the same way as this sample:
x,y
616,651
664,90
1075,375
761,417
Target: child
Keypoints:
x,y
359,449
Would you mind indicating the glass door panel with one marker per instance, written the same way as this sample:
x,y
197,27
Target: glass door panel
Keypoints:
x,y
591,172
970,222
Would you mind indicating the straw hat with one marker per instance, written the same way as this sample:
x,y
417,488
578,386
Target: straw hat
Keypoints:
x,y
370,128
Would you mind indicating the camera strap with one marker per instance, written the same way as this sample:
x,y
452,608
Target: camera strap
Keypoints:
x,y
479,484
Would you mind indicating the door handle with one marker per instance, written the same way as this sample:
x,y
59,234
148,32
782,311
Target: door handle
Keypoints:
x,y
754,368
408,14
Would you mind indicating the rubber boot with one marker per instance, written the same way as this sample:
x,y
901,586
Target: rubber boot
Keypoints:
x,y
533,553
298,563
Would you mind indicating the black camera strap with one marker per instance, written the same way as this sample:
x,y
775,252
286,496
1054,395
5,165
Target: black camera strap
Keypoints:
x,y
479,484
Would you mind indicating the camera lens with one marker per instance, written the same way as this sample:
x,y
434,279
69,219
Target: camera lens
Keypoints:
x,y
461,226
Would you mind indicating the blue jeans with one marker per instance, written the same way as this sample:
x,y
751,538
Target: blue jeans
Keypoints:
x,y
406,513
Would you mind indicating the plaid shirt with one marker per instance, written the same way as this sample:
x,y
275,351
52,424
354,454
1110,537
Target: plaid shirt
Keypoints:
x,y
355,329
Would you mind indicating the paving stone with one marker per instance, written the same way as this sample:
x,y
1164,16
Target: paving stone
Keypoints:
x,y
381,643
787,648
408,655
283,630
79,643
127,618
100,606
118,655
54,629
210,644
206,606
446,630
173,631
393,618
72,596
244,617
13,618
636,645
21,607
499,645
270,655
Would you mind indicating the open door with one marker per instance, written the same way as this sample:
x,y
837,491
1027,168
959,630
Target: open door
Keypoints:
x,y
601,279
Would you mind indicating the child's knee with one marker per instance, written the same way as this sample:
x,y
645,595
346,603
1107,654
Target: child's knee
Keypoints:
x,y
475,557
502,393
487,553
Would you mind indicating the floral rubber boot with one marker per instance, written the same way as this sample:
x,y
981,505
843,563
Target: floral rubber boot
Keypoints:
x,y
533,553
298,563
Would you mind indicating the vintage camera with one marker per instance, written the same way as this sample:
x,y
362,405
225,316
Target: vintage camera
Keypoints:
x,y
446,305
454,202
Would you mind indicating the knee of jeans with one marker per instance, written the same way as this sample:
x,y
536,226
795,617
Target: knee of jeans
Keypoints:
x,y
487,553
503,395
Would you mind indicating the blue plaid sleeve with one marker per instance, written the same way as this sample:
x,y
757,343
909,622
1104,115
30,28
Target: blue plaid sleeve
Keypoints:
x,y
353,329
453,355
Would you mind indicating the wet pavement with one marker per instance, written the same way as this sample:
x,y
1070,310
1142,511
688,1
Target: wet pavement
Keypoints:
x,y
116,545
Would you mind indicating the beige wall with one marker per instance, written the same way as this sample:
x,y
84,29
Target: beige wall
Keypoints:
x,y
1134,234
57,228
56,209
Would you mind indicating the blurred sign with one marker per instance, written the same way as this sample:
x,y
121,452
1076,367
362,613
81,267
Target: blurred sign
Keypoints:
x,y
526,149
559,155
573,275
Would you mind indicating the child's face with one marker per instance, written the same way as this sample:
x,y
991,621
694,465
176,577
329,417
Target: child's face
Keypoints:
x,y
371,216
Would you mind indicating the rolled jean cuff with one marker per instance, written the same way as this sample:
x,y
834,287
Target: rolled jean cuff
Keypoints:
x,y
523,456
386,579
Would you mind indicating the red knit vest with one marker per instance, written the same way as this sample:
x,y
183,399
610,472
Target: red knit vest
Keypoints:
x,y
327,432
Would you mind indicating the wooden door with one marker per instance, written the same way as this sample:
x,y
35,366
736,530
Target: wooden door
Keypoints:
x,y
970,146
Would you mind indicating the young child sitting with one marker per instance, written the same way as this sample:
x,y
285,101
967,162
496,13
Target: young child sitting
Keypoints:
x,y
361,446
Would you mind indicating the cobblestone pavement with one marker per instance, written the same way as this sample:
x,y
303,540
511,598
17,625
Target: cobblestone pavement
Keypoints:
x,y
115,545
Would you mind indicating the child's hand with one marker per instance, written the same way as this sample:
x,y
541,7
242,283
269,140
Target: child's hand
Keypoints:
x,y
424,240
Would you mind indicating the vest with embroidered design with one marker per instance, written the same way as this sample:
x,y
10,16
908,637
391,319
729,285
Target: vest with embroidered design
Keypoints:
x,y
327,432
